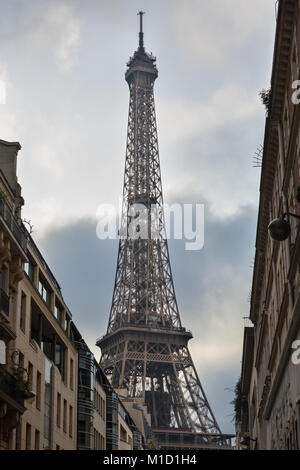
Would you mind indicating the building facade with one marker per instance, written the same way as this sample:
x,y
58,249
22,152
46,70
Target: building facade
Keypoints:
x,y
14,389
36,329
44,348
270,381
91,403
103,420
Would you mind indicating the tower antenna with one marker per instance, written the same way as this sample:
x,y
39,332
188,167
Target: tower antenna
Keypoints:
x,y
141,34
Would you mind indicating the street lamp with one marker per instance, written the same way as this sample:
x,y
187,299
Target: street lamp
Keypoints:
x,y
280,229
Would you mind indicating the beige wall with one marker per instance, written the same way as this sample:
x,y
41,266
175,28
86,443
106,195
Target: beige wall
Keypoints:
x,y
99,421
60,438
22,350
125,435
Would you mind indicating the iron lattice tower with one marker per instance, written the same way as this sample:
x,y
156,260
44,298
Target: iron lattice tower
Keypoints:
x,y
145,347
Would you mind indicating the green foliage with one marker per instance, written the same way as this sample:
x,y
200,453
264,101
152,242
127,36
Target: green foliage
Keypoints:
x,y
265,96
237,401
22,385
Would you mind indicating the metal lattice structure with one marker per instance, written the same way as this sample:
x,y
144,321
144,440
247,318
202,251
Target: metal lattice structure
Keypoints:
x,y
145,348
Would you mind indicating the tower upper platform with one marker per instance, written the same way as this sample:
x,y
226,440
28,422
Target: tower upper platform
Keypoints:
x,y
141,61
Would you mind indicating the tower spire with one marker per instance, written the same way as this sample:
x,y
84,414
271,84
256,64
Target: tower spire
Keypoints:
x,y
141,34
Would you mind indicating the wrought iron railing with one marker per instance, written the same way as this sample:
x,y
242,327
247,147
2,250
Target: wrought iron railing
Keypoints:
x,y
12,386
4,302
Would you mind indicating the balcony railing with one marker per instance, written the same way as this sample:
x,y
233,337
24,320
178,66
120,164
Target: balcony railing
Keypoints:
x,y
13,387
12,224
4,302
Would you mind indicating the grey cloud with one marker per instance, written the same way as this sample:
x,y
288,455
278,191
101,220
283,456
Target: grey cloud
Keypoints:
x,y
85,268
72,127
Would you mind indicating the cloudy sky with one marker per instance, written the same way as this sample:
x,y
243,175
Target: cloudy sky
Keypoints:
x,y
63,63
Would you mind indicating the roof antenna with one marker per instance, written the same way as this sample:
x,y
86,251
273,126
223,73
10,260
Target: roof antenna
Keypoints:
x,y
141,34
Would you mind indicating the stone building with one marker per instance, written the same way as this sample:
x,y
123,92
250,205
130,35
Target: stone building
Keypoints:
x,y
35,332
14,390
270,381
91,403
44,348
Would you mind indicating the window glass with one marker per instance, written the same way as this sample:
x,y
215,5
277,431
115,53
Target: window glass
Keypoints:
x,y
58,313
2,352
44,291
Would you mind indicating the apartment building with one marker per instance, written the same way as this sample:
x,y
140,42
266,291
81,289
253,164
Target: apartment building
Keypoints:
x,y
14,390
39,353
44,348
270,381
91,403
119,424
99,418
104,423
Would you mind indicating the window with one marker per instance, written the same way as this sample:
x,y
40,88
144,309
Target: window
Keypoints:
x,y
58,410
21,360
58,313
28,436
70,421
38,390
47,404
2,352
23,312
66,326
59,357
29,270
71,374
37,440
65,416
4,278
97,440
123,433
103,409
44,291
30,375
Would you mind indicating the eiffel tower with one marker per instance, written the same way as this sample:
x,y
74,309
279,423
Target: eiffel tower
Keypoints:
x,y
145,348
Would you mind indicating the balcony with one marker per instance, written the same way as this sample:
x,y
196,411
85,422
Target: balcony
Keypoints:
x,y
11,223
4,303
13,390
